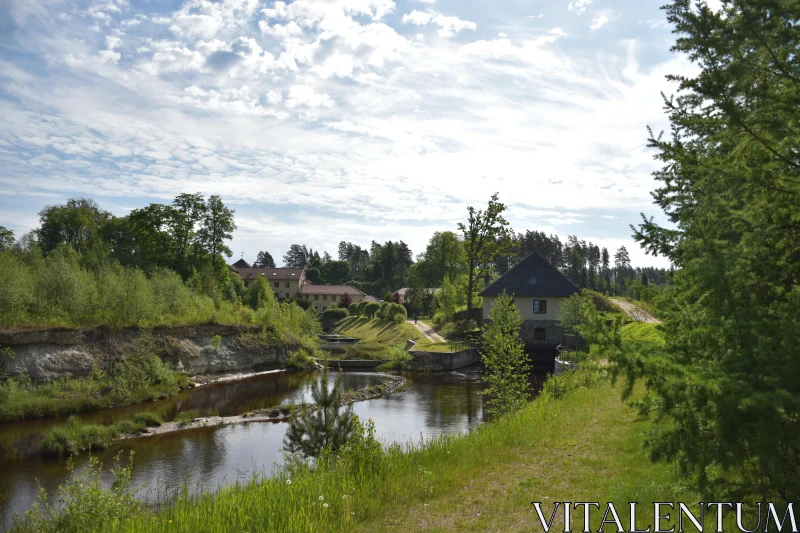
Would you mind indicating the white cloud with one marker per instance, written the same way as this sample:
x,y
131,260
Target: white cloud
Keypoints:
x,y
303,95
579,6
448,26
599,21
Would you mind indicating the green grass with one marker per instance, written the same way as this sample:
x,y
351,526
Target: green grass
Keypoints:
x,y
22,401
75,436
386,332
430,346
187,417
643,332
576,442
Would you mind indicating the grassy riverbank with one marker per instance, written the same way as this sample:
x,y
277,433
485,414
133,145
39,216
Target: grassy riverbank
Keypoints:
x,y
76,436
576,442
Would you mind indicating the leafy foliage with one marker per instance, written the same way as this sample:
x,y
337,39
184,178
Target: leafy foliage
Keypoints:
x,y
485,237
505,362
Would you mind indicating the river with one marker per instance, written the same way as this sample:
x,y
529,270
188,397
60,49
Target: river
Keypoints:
x,y
205,458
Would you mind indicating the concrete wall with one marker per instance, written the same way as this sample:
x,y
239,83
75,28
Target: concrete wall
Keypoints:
x,y
525,306
438,361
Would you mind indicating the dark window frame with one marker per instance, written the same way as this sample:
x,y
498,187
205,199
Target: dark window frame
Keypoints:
x,y
542,307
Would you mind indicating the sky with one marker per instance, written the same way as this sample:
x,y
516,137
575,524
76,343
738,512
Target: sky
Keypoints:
x,y
327,120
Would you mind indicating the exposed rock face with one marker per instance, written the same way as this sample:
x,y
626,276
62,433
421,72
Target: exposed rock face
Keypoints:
x,y
48,354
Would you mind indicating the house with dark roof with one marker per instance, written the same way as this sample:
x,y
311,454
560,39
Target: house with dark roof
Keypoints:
x,y
538,289
241,263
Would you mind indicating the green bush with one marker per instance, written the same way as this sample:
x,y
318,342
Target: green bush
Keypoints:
x,y
361,308
371,309
335,313
398,359
82,503
382,310
353,310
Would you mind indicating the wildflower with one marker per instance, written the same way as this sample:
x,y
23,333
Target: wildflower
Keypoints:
x,y
345,496
170,521
288,481
320,497
325,505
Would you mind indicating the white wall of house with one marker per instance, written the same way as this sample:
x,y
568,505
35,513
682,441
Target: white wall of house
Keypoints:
x,y
525,306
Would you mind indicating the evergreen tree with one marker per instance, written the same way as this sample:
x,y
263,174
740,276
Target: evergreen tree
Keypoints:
x,y
506,365
296,257
264,260
323,428
725,387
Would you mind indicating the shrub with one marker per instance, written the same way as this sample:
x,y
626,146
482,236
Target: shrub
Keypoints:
x,y
82,503
399,359
384,307
335,313
361,307
353,310
371,309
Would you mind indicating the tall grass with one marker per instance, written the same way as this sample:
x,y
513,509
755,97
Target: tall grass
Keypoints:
x,y
76,436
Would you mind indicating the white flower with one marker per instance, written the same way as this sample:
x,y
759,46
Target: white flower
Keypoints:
x,y
288,481
320,497
325,505
344,497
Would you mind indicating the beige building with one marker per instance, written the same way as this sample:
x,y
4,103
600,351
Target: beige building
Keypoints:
x,y
538,289
321,296
284,282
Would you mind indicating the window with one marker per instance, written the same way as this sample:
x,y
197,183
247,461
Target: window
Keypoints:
x,y
285,284
539,334
532,281
276,284
540,307
287,295
316,296
324,296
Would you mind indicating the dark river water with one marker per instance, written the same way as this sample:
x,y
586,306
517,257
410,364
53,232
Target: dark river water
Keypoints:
x,y
428,405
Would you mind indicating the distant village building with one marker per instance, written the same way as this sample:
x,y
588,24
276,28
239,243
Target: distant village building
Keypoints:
x,y
292,283
538,289
321,296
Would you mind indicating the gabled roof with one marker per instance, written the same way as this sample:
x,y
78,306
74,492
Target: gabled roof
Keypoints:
x,y
241,263
330,289
548,281
276,274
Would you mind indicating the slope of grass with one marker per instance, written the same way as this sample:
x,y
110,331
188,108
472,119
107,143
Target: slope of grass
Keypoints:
x,y
386,332
644,332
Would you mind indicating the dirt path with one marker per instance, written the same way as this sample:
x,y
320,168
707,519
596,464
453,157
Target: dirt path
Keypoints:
x,y
427,331
636,313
